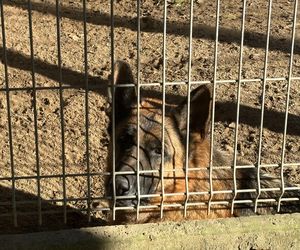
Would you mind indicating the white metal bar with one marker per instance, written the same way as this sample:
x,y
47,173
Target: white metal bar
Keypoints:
x,y
236,134
112,56
158,84
263,106
188,109
287,105
87,138
63,158
10,134
213,107
36,138
25,177
163,110
138,41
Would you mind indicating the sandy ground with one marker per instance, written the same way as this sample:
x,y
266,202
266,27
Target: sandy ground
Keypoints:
x,y
98,40
278,232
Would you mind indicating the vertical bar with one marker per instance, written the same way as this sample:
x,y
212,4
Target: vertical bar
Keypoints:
x,y
61,110
188,109
213,107
138,38
12,165
112,26
263,106
163,111
35,114
86,77
287,104
238,104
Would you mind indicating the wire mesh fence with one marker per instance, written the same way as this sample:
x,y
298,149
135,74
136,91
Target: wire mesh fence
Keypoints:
x,y
57,57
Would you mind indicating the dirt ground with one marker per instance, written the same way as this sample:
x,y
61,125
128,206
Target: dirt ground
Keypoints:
x,y
49,137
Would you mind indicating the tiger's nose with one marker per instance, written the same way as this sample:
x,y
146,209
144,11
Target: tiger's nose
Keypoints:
x,y
122,185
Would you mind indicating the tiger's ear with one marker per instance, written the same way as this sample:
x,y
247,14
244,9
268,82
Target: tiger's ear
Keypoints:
x,y
125,97
200,109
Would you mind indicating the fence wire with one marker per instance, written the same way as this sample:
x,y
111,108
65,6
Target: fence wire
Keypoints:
x,y
189,83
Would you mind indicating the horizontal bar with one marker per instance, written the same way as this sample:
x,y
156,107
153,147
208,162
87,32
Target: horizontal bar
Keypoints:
x,y
246,190
132,196
26,177
290,199
151,84
220,202
270,189
283,199
174,205
242,201
291,188
24,202
45,212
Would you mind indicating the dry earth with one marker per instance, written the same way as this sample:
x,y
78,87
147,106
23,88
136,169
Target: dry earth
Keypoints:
x,y
48,102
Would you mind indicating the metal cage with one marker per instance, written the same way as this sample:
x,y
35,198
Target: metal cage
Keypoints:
x,y
14,205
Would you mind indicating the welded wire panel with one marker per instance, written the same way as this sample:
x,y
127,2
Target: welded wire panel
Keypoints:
x,y
170,55
157,84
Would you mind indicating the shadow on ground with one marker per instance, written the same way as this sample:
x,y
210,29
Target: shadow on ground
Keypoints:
x,y
224,111
152,25
27,214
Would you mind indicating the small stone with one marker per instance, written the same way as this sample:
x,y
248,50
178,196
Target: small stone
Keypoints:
x,y
251,138
178,59
254,56
231,125
266,133
46,101
289,147
75,37
226,130
157,63
228,148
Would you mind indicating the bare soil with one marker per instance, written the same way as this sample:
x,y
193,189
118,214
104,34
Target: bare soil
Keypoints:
x,y
47,139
